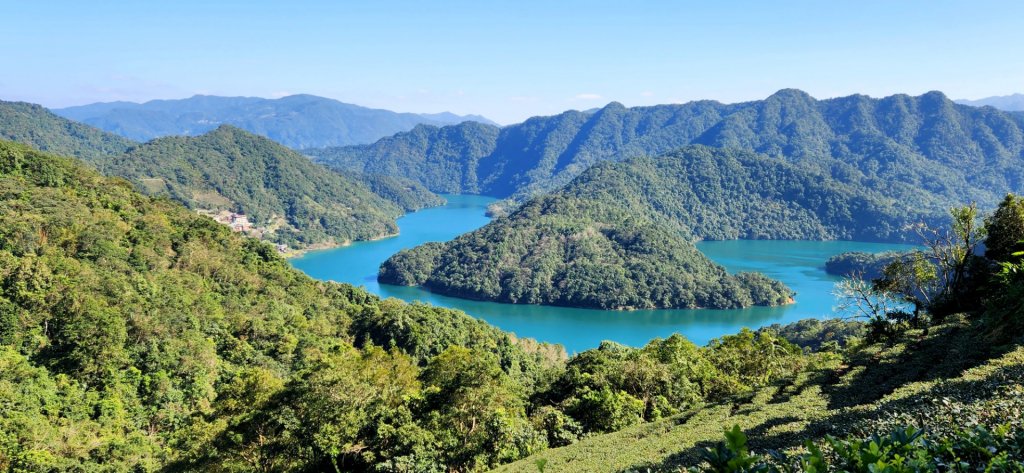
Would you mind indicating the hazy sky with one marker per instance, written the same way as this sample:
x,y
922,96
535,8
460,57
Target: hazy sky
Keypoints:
x,y
506,60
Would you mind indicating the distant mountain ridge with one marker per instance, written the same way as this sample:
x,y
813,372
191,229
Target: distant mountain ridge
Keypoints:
x,y
898,143
1009,103
296,121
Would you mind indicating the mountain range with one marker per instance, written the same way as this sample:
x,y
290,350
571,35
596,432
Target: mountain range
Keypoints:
x,y
285,197
136,335
296,121
899,143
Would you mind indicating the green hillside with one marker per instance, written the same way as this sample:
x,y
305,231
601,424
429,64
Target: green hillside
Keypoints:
x,y
941,380
620,235
406,193
230,169
941,389
136,335
35,126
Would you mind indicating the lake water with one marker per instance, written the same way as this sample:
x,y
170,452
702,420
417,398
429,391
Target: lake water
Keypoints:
x,y
799,264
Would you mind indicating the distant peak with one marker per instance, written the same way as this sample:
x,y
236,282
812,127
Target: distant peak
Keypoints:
x,y
791,94
935,94
611,107
935,97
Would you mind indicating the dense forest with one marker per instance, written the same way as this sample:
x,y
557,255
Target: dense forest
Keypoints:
x,y
291,200
620,235
909,146
406,193
136,335
35,126
296,121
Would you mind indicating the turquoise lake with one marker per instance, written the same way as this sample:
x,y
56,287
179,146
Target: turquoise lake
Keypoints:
x,y
799,264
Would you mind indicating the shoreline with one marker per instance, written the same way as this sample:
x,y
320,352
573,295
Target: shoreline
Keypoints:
x,y
297,252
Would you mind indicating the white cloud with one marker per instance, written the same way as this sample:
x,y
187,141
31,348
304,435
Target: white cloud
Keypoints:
x,y
587,97
647,93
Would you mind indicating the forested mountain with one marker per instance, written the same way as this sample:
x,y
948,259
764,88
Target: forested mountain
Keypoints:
x,y
136,335
406,193
230,169
275,187
297,121
1010,103
620,235
35,126
955,152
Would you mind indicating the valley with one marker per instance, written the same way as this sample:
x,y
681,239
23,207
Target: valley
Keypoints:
x,y
798,264
523,237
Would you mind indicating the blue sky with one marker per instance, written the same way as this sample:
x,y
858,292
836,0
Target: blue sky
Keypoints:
x,y
507,60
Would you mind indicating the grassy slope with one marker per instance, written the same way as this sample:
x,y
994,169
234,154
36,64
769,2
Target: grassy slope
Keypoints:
x,y
951,362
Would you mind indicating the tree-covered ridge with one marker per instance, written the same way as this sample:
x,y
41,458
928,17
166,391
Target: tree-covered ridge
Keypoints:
x,y
230,169
619,235
35,126
444,159
724,194
907,145
406,193
296,121
136,335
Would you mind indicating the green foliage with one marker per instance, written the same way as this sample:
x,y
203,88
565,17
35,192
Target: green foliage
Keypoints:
x,y
445,160
901,450
820,334
914,278
292,200
860,264
1004,310
1005,229
35,126
408,194
615,386
136,335
942,380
